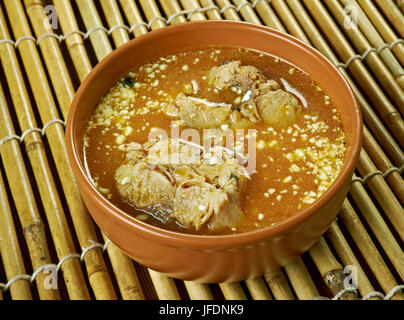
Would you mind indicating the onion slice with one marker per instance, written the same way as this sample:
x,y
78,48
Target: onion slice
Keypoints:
x,y
295,92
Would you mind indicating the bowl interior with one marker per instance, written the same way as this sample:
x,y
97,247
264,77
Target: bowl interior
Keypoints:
x,y
216,33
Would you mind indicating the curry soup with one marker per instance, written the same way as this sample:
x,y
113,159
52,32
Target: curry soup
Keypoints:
x,y
298,138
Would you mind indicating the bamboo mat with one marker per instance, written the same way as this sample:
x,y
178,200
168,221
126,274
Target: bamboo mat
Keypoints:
x,y
51,249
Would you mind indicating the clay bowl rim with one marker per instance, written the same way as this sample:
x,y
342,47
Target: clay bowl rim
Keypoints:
x,y
194,241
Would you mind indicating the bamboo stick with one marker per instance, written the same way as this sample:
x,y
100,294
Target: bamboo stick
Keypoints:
x,y
348,258
383,27
152,11
258,289
232,291
378,226
119,42
98,38
145,280
229,13
369,116
365,244
316,37
50,50
33,228
393,14
128,282
247,12
310,29
330,269
198,291
114,18
164,286
96,268
300,279
193,4
32,225
304,286
74,42
89,11
55,215
379,131
383,164
134,17
400,4
212,14
320,44
268,16
126,277
278,285
389,114
10,249
309,285
384,196
376,41
171,7
382,73
289,20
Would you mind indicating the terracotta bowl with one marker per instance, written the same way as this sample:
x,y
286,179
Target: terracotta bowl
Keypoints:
x,y
213,258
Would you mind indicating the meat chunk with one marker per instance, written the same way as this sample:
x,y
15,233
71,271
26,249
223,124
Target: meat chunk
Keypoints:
x,y
200,115
263,99
234,74
214,199
192,192
143,186
134,152
197,203
224,75
260,88
278,108
172,152
248,76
